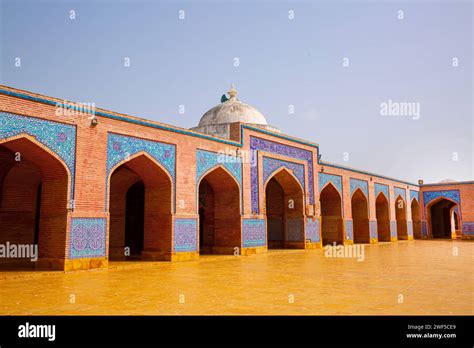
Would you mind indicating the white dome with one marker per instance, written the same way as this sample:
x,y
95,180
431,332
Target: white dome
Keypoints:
x,y
232,110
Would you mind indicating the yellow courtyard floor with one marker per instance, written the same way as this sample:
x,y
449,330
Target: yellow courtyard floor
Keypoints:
x,y
406,277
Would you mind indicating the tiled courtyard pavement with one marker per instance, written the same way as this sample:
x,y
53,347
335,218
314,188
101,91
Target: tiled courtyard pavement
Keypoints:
x,y
426,273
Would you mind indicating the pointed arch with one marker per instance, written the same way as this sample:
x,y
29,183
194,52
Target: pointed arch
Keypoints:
x,y
17,143
284,210
401,218
219,212
360,216
119,164
331,215
383,194
330,183
440,217
35,197
220,166
382,213
416,218
140,201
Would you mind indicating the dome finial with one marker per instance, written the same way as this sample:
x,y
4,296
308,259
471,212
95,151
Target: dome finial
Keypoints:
x,y
232,92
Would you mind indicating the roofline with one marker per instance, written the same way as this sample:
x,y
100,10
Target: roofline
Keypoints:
x,y
366,173
469,182
144,122
14,92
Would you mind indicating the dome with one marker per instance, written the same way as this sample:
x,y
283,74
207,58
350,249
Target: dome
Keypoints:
x,y
232,110
221,120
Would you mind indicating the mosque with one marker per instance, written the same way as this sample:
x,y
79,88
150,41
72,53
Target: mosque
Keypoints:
x,y
92,185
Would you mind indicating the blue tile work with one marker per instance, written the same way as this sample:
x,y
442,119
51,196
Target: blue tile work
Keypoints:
x,y
254,233
87,237
424,229
205,160
453,195
60,138
257,144
120,147
393,228
336,180
270,165
468,227
381,188
294,228
312,230
362,184
349,230
414,194
373,229
185,235
410,228
397,191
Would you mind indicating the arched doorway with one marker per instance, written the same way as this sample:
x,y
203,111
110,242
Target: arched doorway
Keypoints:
x,y
383,218
441,218
34,187
416,218
331,215
360,217
401,217
219,213
284,211
140,206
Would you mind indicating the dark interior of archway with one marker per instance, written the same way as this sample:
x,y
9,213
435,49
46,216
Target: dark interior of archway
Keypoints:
x,y
135,219
219,214
331,216
440,219
383,218
20,201
140,196
456,221
284,212
360,217
401,217
206,218
33,199
275,210
415,216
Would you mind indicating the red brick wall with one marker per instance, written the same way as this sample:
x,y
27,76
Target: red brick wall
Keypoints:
x,y
90,184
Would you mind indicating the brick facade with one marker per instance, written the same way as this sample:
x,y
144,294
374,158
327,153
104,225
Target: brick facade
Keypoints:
x,y
84,172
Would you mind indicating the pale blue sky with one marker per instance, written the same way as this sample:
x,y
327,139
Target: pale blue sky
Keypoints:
x,y
282,62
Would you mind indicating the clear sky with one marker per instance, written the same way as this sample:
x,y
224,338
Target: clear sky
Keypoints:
x,y
283,61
